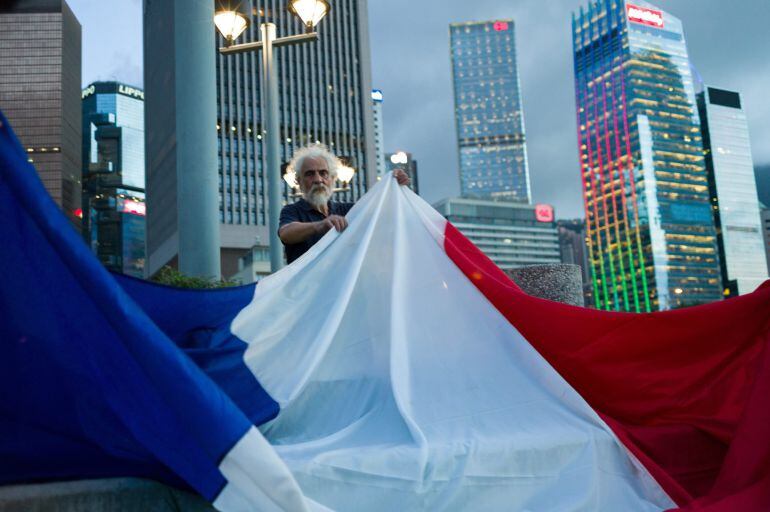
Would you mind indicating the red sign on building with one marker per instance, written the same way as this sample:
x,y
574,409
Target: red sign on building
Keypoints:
x,y
135,207
500,26
544,212
645,16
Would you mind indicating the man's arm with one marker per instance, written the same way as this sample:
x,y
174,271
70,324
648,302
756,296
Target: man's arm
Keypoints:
x,y
296,232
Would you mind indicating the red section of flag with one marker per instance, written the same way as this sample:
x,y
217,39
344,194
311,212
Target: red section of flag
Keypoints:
x,y
685,390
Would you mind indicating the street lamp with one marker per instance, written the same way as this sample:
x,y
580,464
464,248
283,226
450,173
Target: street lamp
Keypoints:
x,y
231,23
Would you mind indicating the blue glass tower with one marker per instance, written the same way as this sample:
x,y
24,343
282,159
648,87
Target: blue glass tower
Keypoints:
x,y
113,175
733,190
649,223
488,111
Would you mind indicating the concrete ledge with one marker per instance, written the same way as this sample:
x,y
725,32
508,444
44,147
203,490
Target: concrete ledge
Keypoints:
x,y
559,282
102,495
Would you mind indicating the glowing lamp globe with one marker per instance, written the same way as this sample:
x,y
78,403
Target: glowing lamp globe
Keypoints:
x,y
231,24
345,174
310,12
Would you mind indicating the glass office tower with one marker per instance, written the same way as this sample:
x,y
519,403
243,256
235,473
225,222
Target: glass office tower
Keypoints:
x,y
649,224
40,61
113,175
733,190
488,111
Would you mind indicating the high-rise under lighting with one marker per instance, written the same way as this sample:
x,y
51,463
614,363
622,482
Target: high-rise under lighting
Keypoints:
x,y
649,224
488,111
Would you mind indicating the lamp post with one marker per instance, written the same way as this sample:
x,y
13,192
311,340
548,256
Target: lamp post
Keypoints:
x,y
231,22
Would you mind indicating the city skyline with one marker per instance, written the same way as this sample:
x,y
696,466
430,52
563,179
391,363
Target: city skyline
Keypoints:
x,y
418,106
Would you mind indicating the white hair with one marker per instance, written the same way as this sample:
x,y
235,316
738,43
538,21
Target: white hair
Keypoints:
x,y
313,151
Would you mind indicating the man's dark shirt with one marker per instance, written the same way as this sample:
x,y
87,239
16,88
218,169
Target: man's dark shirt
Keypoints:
x,y
302,211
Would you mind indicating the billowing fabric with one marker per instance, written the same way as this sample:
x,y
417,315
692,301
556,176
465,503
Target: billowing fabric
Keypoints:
x,y
91,387
402,387
391,367
687,391
198,322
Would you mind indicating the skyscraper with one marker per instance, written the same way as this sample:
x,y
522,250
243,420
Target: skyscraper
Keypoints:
x,y
488,111
113,175
324,95
572,245
379,135
649,224
733,190
40,92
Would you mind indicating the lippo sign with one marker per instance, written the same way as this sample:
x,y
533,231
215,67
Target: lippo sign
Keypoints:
x,y
645,16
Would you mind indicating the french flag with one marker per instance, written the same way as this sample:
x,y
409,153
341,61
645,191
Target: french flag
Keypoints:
x,y
392,367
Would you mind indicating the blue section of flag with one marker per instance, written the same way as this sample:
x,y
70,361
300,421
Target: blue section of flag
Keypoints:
x,y
198,321
90,385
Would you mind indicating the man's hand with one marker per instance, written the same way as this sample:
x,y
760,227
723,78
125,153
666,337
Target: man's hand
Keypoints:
x,y
401,177
332,221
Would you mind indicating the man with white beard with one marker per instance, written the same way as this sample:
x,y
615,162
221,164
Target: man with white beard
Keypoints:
x,y
303,223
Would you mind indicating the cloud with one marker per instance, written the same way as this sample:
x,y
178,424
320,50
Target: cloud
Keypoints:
x,y
125,68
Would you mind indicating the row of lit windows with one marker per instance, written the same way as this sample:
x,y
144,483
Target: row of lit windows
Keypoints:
x,y
51,149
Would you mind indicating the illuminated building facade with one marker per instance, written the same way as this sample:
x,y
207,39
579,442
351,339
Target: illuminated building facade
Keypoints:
x,y
379,134
488,111
113,175
649,223
40,61
733,190
511,234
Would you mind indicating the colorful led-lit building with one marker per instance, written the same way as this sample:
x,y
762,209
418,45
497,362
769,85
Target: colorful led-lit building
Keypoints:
x,y
113,175
488,111
649,223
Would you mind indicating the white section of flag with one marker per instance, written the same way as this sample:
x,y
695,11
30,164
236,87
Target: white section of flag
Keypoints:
x,y
403,388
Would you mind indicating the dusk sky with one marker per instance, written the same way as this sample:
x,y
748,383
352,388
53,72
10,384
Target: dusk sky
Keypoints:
x,y
727,41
